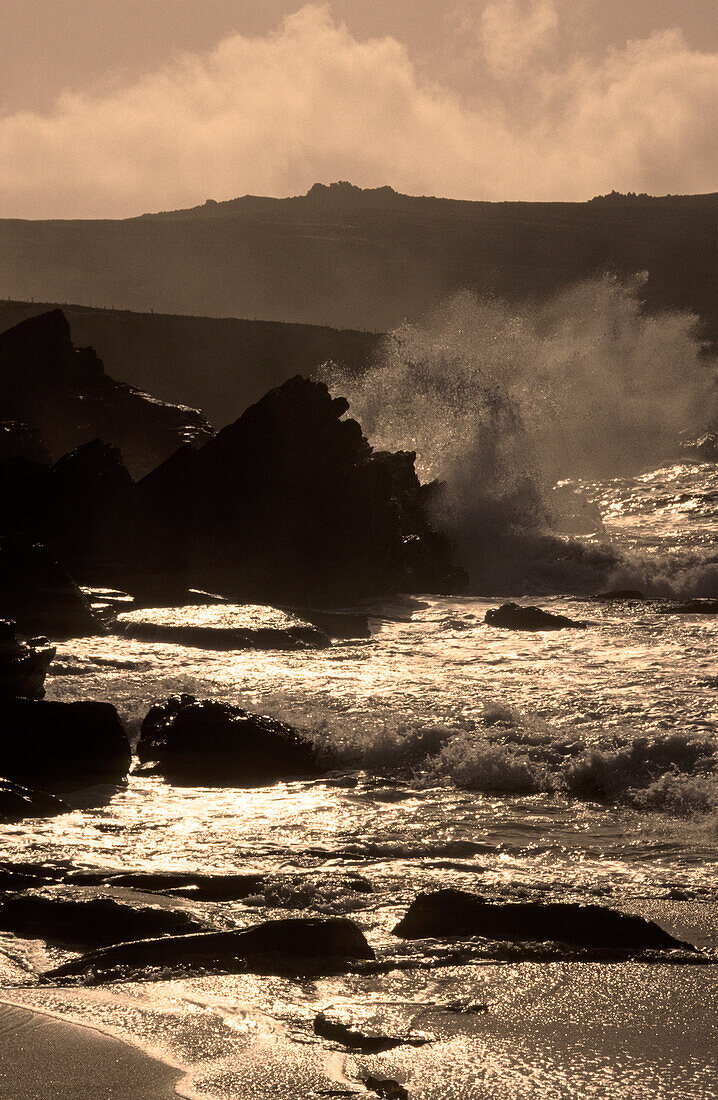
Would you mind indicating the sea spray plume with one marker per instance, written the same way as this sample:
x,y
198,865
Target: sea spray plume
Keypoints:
x,y
501,401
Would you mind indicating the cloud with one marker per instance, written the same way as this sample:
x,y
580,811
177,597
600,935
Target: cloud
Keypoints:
x,y
310,102
514,32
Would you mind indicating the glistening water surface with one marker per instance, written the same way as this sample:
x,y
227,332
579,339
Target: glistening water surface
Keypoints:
x,y
578,764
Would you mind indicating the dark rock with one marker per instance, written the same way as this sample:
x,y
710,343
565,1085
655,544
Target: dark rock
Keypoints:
x,y
17,803
447,913
198,887
92,917
513,616
23,665
338,624
621,594
64,396
386,1088
38,595
223,626
287,506
296,890
297,945
691,607
64,744
211,742
354,1039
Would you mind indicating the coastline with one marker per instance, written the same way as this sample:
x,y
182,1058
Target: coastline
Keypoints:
x,y
42,1057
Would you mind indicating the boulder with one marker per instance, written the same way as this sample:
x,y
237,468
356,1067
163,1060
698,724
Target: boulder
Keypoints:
x,y
38,595
17,803
449,913
513,616
67,745
288,890
23,665
370,1041
297,946
93,917
222,626
208,742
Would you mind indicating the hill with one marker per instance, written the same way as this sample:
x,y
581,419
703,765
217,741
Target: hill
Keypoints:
x,y
219,365
365,259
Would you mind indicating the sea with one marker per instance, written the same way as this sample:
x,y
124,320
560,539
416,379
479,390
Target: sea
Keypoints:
x,y
574,765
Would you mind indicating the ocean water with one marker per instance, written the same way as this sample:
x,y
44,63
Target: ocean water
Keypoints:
x,y
572,765
576,765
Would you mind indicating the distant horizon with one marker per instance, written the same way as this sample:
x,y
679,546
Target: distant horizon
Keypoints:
x,y
107,112
211,201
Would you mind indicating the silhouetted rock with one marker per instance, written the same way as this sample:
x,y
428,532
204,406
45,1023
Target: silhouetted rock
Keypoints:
x,y
297,945
211,742
17,803
331,1027
447,913
18,440
23,665
63,396
67,744
286,506
690,607
222,626
386,1088
89,917
38,595
512,616
287,890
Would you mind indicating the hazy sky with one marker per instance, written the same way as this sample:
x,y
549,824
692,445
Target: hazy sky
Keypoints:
x,y
109,108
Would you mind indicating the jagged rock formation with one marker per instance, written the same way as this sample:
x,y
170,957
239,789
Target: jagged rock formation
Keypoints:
x,y
55,397
288,505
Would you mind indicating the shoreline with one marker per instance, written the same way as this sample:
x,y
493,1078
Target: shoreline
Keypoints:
x,y
43,1057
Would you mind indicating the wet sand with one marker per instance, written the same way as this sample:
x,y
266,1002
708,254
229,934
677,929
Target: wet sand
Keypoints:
x,y
42,1058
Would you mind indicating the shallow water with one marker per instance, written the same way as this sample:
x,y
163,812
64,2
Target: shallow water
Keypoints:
x,y
580,764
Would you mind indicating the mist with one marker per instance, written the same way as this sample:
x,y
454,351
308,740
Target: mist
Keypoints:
x,y
500,402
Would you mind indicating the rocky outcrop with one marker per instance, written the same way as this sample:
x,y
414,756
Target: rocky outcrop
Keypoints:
x,y
23,665
287,506
17,803
63,397
38,595
513,616
222,626
294,946
67,745
450,913
209,742
90,917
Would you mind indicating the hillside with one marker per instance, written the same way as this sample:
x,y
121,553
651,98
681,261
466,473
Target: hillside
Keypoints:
x,y
219,365
342,256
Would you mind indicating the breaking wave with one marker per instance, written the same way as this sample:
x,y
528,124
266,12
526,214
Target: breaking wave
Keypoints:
x,y
500,402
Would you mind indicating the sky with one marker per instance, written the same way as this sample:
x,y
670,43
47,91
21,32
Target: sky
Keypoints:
x,y
112,109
